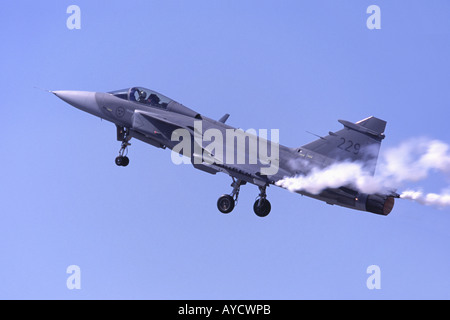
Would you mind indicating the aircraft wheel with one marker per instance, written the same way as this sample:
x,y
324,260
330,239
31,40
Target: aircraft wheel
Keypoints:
x,y
122,161
119,160
125,161
225,204
262,207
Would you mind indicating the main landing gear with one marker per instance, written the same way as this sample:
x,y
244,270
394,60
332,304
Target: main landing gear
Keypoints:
x,y
262,206
123,134
227,202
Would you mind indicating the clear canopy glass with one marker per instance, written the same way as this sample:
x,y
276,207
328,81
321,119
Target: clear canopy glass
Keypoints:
x,y
144,96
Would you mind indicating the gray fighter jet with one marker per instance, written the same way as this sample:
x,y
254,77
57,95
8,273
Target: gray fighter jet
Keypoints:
x,y
164,123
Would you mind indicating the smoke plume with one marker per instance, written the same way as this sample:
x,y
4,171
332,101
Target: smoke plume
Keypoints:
x,y
429,199
411,161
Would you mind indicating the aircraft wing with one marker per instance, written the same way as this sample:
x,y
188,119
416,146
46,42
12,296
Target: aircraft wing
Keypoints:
x,y
246,172
233,170
156,124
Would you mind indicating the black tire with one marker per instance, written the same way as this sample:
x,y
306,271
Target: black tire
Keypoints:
x,y
119,160
225,204
125,161
262,209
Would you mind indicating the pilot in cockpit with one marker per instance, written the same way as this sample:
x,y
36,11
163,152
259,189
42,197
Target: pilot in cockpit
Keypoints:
x,y
142,96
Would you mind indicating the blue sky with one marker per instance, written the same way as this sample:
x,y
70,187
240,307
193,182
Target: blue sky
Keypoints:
x,y
152,230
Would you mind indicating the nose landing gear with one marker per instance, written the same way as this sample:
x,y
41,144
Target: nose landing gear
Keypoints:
x,y
122,160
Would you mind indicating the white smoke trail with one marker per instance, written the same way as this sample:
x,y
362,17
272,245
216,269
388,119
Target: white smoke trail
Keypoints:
x,y
414,160
429,199
334,176
411,161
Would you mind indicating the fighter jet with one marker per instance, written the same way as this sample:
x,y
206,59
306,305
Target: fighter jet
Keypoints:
x,y
155,119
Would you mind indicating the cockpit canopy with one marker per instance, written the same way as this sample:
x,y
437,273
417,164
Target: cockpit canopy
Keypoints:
x,y
144,96
154,99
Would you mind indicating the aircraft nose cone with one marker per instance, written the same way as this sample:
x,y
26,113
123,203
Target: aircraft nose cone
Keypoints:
x,y
82,100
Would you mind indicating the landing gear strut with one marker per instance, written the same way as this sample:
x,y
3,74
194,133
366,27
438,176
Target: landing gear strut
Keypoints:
x,y
262,205
123,134
227,202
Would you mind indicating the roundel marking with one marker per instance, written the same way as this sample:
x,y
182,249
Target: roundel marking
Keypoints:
x,y
120,112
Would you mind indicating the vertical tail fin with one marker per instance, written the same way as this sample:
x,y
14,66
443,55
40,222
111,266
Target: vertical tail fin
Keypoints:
x,y
358,141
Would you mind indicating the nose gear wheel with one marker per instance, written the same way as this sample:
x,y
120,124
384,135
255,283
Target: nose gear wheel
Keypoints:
x,y
122,160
